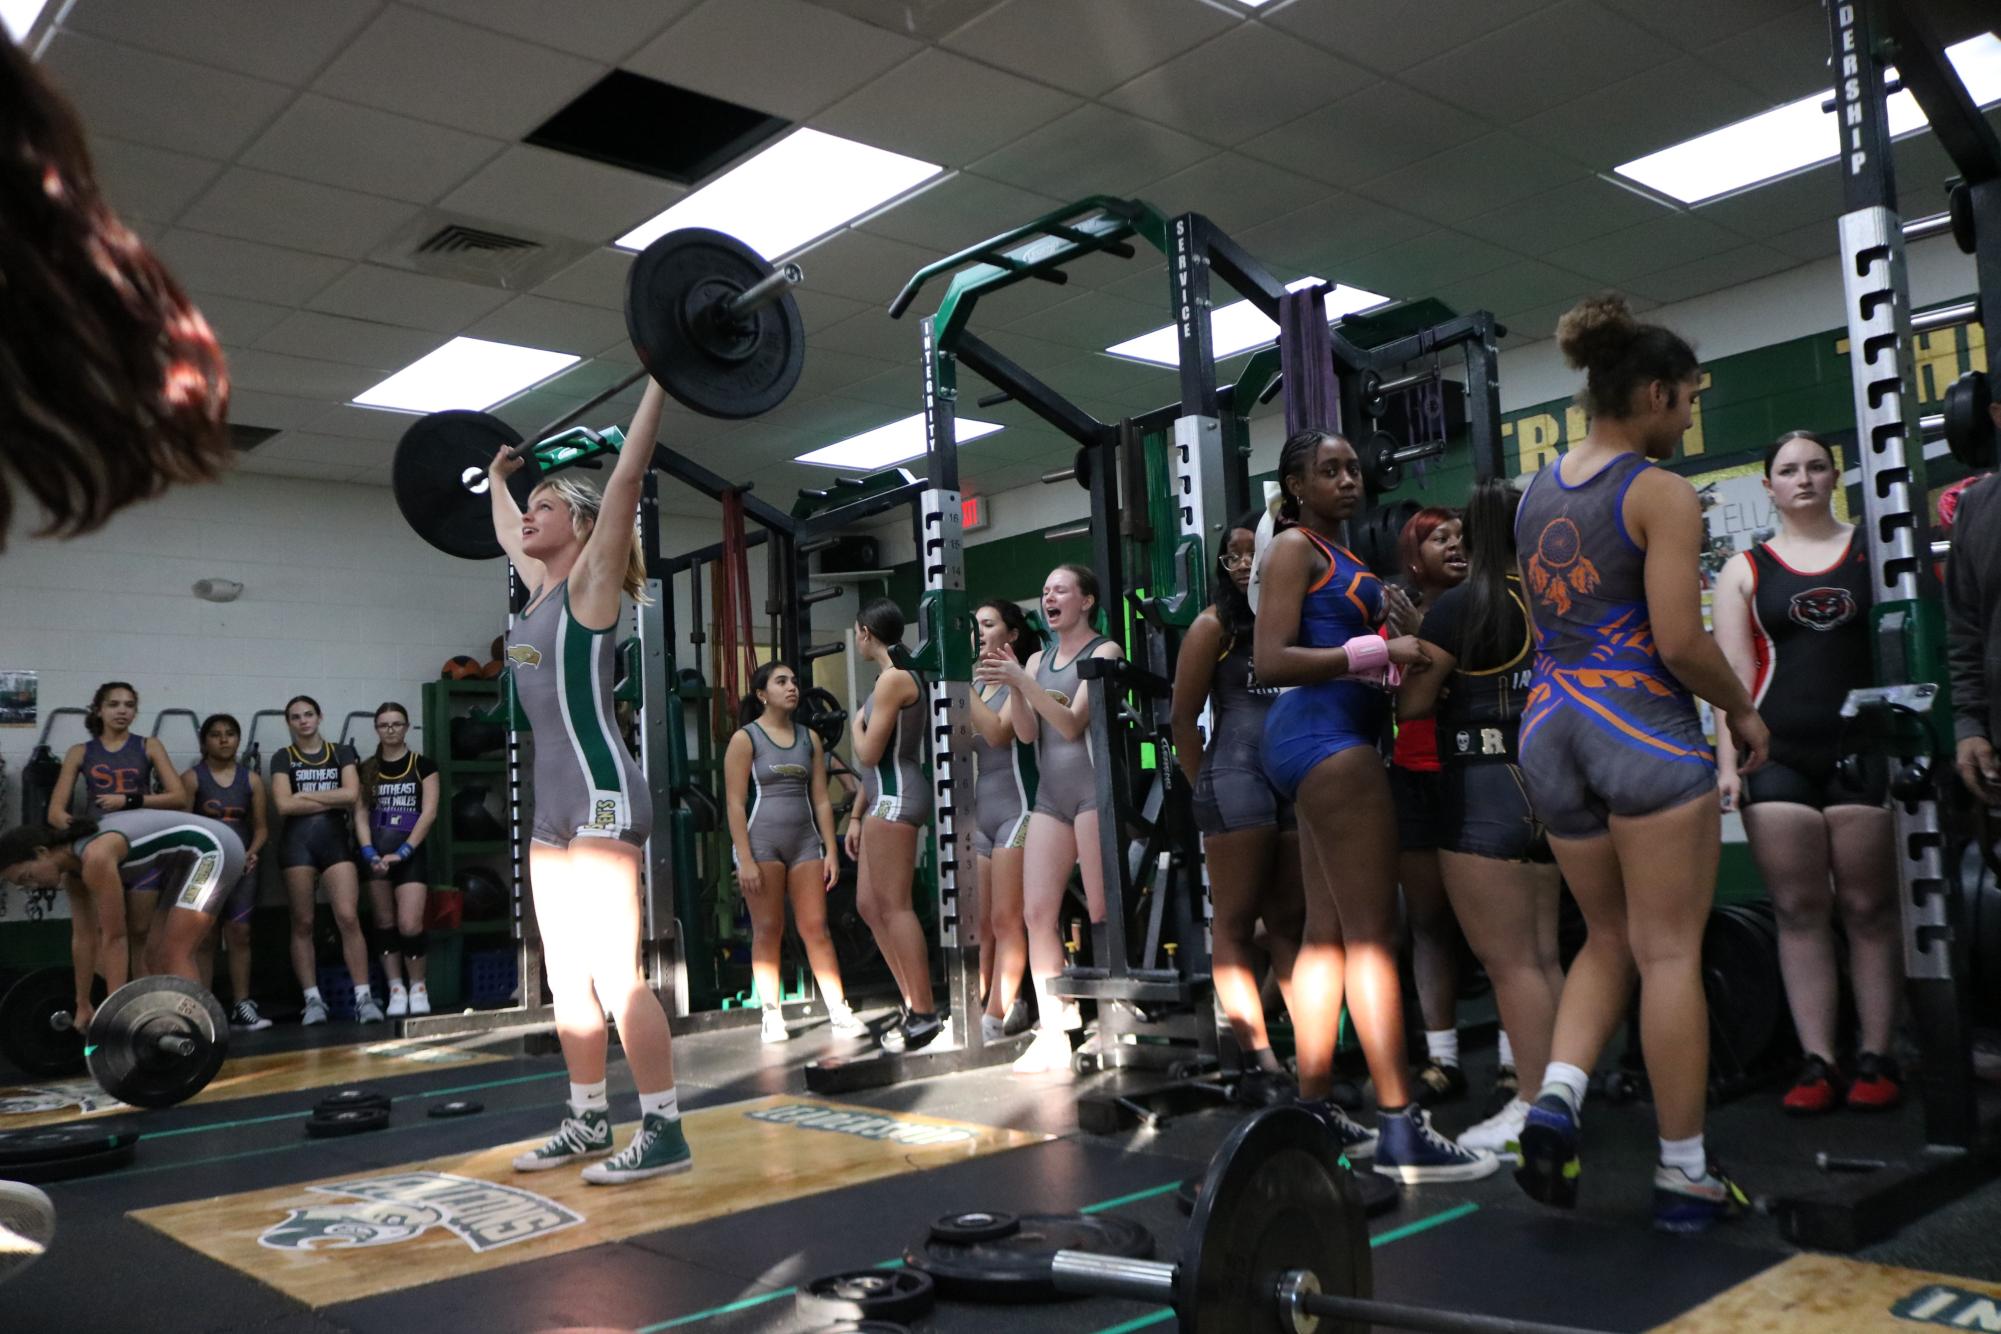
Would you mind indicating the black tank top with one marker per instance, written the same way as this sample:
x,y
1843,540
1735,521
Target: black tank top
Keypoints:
x,y
1811,632
1239,703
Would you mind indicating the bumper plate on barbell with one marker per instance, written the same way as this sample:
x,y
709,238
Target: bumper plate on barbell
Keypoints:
x,y
123,1047
734,370
439,477
28,1036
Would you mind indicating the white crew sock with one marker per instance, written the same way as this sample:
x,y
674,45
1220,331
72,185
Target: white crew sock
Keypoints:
x,y
313,994
1687,1155
589,1097
1566,1081
1442,1045
1507,1050
664,1103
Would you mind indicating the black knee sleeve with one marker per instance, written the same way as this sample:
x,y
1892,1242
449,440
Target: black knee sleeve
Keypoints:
x,y
415,945
382,939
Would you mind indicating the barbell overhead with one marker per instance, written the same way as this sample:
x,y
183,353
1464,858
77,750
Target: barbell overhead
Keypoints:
x,y
1278,1242
715,324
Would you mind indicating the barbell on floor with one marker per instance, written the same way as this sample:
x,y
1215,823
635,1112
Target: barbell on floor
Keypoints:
x,y
1278,1242
154,1042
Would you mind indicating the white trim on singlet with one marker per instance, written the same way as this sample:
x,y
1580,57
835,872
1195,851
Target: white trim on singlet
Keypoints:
x,y
565,622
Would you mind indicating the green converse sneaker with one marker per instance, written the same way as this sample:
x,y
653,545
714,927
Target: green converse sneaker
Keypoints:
x,y
657,1148
585,1134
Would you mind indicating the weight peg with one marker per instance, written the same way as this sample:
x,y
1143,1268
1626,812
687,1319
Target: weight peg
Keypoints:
x,y
1382,470
1277,1243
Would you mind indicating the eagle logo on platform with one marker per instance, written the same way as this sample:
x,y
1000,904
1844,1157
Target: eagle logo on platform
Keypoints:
x,y
524,655
1823,608
386,1210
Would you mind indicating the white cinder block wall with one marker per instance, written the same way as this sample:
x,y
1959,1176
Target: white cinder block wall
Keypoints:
x,y
341,602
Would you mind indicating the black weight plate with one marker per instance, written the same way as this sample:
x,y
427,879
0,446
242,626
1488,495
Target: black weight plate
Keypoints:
x,y
1015,1268
862,1327
439,477
1740,972
79,1165
122,1050
673,282
22,1148
1985,965
867,1294
348,1121
28,1038
349,1099
1969,427
1273,1200
1959,207
974,1225
1185,1193
1379,1193
456,1107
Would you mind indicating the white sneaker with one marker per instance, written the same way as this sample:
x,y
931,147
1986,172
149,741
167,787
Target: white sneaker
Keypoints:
x,y
366,1011
420,998
1070,1017
990,1030
1501,1133
772,1027
316,1011
399,1003
843,1022
27,1226
1049,1053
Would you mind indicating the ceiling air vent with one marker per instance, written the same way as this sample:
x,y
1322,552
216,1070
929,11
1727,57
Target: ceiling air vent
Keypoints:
x,y
247,438
475,250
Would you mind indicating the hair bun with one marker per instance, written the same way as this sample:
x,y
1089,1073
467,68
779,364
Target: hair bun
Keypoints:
x,y
1596,331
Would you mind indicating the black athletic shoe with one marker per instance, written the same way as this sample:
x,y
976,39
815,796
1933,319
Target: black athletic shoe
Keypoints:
x,y
1439,1083
917,1030
1263,1088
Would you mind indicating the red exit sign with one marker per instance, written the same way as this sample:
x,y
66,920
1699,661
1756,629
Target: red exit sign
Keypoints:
x,y
973,513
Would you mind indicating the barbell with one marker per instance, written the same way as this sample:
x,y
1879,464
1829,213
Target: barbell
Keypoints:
x,y
1278,1242
712,322
154,1042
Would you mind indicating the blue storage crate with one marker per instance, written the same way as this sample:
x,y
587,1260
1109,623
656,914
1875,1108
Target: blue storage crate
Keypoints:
x,y
337,988
491,977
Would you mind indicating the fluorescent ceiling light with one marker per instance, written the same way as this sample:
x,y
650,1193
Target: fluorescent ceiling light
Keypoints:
x,y
465,373
890,444
1795,136
796,191
1239,326
17,16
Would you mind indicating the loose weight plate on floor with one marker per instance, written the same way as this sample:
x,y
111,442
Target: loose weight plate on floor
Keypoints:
x,y
342,1100
1015,1268
59,1153
867,1294
1740,967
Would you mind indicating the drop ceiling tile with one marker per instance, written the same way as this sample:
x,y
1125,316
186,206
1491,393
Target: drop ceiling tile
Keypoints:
x,y
313,470
1472,178
1817,240
141,181
818,310
1620,256
568,196
960,211
607,30
381,347
924,19
1235,192
559,326
1779,206
312,447
304,215
1681,99
1783,59
1551,56
158,100
829,370
1691,24
1421,265
896,386
490,84
598,279
827,417
412,300
873,334
232,267
301,377
1088,49
1093,150
1385,34
1337,231
238,323
283,43
1524,283
282,412
1040,357
363,423
1712,273
1094,320
360,148
1577,212
805,57
1365,134
589,378
1101,376
978,109
1292,79
862,266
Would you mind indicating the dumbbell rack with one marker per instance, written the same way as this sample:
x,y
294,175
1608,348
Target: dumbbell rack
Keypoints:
x,y
1960,1151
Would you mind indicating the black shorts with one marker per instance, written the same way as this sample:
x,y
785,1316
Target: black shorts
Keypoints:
x,y
1813,778
1487,813
1419,799
416,870
317,841
1228,799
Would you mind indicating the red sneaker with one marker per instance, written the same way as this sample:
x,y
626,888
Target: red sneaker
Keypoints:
x,y
1877,1086
1817,1092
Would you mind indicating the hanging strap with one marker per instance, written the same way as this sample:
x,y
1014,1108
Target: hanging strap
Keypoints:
x,y
1306,359
735,628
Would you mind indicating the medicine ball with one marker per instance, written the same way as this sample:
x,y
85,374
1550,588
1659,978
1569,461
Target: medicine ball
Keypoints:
x,y
473,738
485,895
492,670
459,668
471,820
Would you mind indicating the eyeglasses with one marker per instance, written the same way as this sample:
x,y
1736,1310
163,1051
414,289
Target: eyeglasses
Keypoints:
x,y
1235,562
